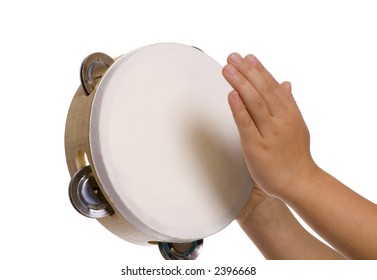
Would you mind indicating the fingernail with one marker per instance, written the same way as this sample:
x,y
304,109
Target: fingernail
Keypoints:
x,y
236,58
252,59
230,69
235,96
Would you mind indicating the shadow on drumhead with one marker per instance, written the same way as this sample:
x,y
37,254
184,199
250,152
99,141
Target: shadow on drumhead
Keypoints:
x,y
220,161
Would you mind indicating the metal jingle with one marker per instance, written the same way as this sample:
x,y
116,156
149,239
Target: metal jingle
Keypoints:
x,y
86,197
197,48
180,251
92,69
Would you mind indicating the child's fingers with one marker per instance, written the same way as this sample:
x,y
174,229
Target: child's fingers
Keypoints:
x,y
255,104
242,118
260,67
284,92
257,75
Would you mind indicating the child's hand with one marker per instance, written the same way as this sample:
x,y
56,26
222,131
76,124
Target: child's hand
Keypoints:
x,y
275,142
273,134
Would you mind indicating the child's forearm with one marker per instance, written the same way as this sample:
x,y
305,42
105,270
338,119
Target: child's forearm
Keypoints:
x,y
342,217
278,235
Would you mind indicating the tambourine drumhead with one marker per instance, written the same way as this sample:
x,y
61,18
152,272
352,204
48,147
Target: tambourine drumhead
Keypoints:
x,y
164,144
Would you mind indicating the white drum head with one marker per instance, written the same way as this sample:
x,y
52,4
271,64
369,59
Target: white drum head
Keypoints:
x,y
164,144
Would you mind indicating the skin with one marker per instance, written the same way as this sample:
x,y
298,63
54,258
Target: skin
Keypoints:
x,y
276,232
276,145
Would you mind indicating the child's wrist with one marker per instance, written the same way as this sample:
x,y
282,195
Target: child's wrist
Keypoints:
x,y
301,179
260,209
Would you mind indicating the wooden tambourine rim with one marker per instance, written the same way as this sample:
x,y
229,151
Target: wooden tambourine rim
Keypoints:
x,y
78,155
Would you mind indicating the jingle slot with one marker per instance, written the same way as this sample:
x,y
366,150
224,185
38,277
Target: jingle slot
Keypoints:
x,y
81,160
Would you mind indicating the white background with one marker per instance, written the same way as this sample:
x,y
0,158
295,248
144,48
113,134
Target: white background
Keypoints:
x,y
327,49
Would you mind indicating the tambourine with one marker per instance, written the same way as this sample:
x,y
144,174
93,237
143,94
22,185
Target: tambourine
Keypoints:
x,y
152,148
